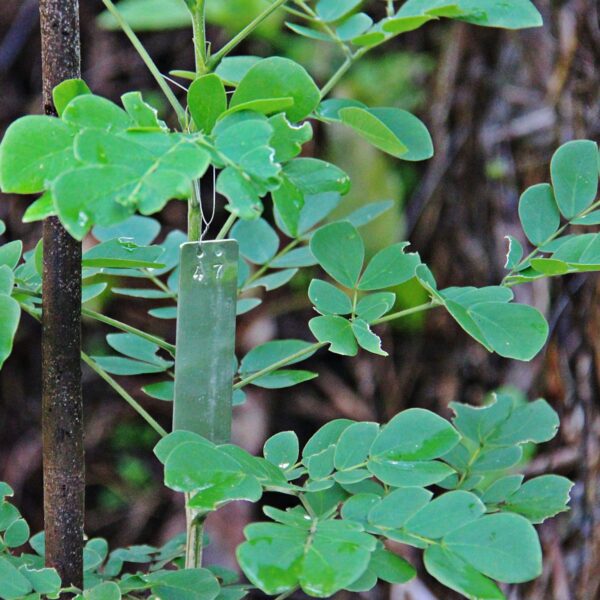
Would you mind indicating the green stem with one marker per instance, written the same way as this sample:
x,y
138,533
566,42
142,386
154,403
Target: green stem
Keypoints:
x,y
124,394
231,219
150,64
199,29
406,313
280,363
92,314
195,536
194,216
244,33
104,375
337,76
159,284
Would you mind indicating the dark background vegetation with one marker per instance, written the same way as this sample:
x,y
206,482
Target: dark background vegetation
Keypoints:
x,y
498,104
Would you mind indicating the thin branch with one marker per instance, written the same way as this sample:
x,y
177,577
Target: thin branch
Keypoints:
x,y
280,363
92,314
244,33
150,64
124,394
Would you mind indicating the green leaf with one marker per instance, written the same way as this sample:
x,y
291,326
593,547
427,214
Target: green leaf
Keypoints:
x,y
340,251
274,280
574,170
7,280
167,444
136,347
373,130
395,509
257,240
288,139
514,254
497,459
187,584
122,254
337,332
10,313
455,573
33,152
353,26
500,489
140,230
244,200
10,254
502,546
328,299
288,201
210,475
503,423
400,473
333,10
326,436
143,115
390,567
357,507
276,351
276,558
368,213
392,130
163,390
313,176
65,91
232,69
103,591
366,339
315,209
40,209
372,307
512,330
282,449
389,267
397,25
540,498
17,533
207,101
13,584
279,78
509,14
353,446
309,33
414,435
581,252
296,258
264,106
44,581
539,213
445,514
550,266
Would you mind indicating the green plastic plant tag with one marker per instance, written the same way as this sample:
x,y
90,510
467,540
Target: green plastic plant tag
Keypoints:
x,y
204,368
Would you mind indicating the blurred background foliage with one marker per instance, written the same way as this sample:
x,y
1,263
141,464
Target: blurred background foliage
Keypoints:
x,y
497,104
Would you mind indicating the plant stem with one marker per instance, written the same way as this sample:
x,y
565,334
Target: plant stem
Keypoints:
x,y
405,313
260,272
244,33
62,402
92,314
150,64
342,70
277,365
194,216
231,219
199,29
195,535
123,393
